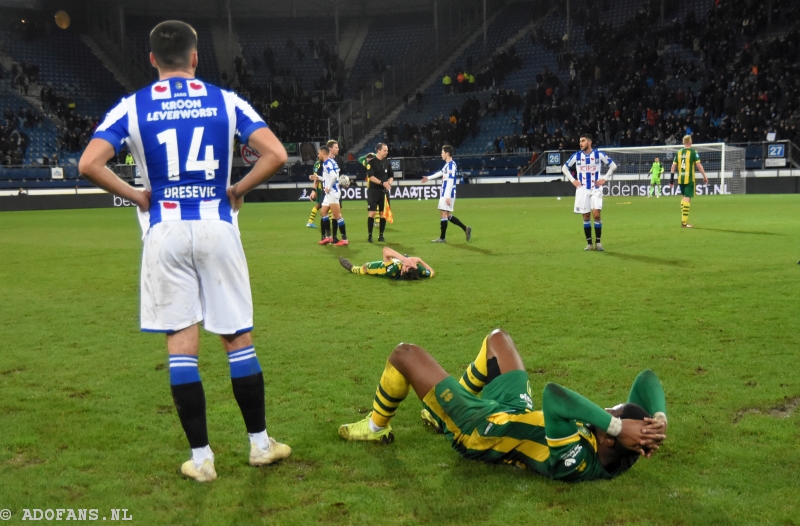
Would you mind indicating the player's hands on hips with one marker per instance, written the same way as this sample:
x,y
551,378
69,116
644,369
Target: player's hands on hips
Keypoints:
x,y
236,202
576,183
143,200
424,179
599,183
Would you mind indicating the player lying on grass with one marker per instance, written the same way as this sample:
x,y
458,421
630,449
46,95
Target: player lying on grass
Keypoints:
x,y
488,415
394,266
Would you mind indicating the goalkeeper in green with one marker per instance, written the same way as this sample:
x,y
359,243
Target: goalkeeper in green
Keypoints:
x,y
488,415
655,179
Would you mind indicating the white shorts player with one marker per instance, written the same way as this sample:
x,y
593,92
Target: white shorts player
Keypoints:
x,y
332,198
587,200
193,271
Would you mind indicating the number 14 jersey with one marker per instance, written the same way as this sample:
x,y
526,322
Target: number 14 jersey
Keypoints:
x,y
180,132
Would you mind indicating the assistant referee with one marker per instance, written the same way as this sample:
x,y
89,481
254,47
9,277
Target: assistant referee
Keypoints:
x,y
379,181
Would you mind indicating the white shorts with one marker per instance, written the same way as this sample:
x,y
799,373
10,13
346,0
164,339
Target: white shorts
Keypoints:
x,y
444,206
331,198
195,271
587,200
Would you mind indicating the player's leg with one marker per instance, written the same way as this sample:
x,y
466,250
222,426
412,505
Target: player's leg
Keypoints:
x,y
313,216
339,222
453,219
382,219
498,355
408,366
657,187
372,207
247,380
190,401
444,218
170,303
326,223
598,230
685,205
587,231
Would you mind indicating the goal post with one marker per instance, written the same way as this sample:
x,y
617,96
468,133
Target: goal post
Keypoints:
x,y
724,164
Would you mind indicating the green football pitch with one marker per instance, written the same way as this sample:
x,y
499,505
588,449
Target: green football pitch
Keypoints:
x,y
88,420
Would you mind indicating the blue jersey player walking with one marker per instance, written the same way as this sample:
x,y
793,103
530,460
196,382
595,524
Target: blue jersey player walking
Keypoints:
x,y
588,183
447,199
180,130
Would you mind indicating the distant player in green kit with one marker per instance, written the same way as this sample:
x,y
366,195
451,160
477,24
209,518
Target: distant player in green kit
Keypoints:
x,y
488,415
655,179
685,161
393,266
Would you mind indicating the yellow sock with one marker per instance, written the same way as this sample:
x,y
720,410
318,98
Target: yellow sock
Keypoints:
x,y
313,215
330,215
358,270
685,212
392,389
477,373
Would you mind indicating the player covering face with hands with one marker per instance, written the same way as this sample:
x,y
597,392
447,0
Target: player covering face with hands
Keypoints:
x,y
489,415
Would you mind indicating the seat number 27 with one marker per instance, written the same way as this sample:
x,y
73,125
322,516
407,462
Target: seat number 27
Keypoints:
x,y
208,165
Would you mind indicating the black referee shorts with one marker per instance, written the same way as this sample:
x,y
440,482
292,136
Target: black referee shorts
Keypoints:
x,y
375,200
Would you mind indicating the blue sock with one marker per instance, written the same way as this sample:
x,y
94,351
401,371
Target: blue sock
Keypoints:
x,y
341,228
189,398
248,389
326,226
183,369
587,230
598,230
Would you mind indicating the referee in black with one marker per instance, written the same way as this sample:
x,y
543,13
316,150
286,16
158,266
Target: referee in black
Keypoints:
x,y
379,181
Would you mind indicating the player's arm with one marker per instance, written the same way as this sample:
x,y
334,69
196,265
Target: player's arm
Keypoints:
x,y
371,175
648,393
568,173
672,173
389,254
430,268
612,167
93,167
390,178
437,175
562,407
699,166
273,157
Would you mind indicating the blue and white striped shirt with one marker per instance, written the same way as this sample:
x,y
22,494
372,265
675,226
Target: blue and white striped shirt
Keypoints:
x,y
587,166
448,175
180,131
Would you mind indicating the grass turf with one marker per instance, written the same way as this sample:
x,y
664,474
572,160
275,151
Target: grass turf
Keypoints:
x,y
88,421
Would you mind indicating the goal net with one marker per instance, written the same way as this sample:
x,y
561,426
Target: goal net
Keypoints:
x,y
724,164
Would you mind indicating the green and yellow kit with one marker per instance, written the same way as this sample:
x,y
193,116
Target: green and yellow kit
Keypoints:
x,y
391,269
502,427
318,187
686,159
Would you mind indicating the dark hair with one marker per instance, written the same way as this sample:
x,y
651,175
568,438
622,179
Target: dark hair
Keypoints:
x,y
324,149
410,274
586,136
331,143
448,149
172,43
379,146
627,458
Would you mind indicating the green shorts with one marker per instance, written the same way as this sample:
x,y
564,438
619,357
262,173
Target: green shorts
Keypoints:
x,y
687,190
464,417
655,179
320,197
